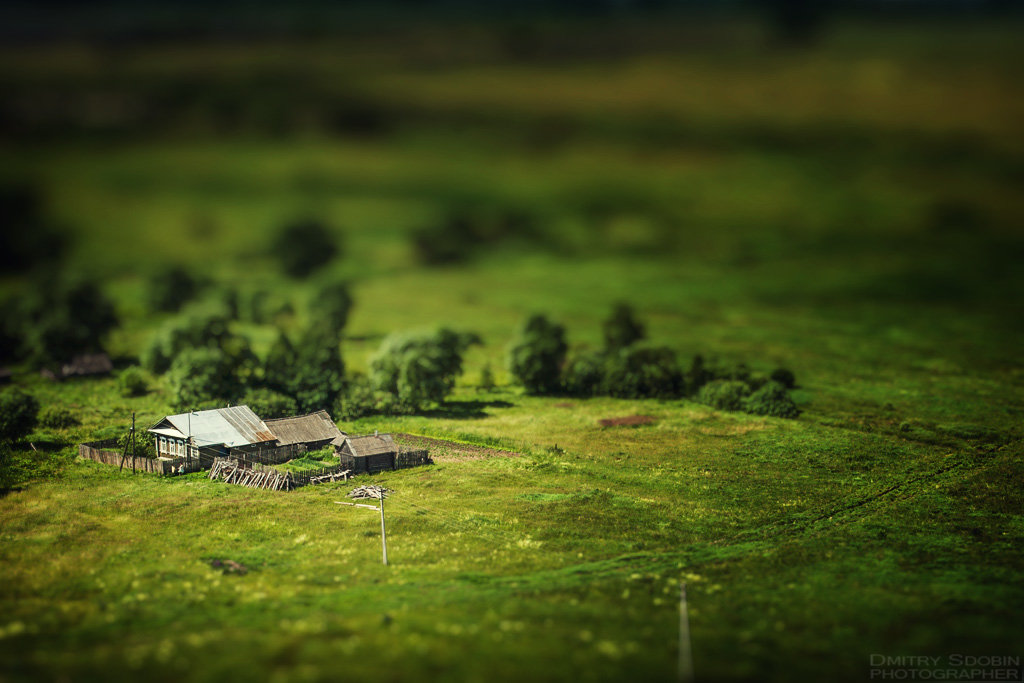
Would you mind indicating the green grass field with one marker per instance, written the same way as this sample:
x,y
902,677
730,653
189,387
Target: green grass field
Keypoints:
x,y
852,213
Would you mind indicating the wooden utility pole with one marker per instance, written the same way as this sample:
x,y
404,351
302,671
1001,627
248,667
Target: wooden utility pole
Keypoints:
x,y
131,440
685,651
383,536
380,493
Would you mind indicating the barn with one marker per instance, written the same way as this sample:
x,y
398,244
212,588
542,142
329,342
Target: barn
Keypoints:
x,y
368,454
314,431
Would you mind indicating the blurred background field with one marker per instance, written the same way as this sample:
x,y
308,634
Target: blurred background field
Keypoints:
x,y
836,192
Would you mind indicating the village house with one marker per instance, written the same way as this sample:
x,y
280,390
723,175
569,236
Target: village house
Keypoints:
x,y
210,432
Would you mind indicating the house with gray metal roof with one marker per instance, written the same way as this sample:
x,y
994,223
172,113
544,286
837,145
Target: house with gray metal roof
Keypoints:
x,y
210,431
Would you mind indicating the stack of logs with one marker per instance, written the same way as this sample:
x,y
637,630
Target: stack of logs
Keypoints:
x,y
325,478
231,471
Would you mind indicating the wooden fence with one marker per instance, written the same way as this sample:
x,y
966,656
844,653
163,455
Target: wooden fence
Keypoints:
x,y
107,452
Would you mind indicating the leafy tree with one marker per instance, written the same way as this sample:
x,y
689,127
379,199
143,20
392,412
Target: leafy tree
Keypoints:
x,y
303,247
132,382
536,356
622,329
360,399
57,417
171,288
204,374
18,415
644,372
318,375
771,399
784,377
268,403
279,365
196,330
584,374
142,447
27,237
486,379
69,317
724,394
420,368
332,303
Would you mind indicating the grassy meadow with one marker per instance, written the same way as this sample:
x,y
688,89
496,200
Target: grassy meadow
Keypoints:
x,y
850,211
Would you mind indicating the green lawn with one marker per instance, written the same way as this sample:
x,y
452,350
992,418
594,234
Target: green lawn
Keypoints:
x,y
851,213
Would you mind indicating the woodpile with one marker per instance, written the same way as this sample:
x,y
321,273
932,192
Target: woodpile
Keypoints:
x,y
369,491
327,478
231,471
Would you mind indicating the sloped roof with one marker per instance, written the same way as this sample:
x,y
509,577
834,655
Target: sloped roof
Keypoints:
x,y
87,364
316,426
234,426
371,445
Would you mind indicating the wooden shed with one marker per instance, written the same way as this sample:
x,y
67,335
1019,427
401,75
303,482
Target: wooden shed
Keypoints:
x,y
368,454
313,431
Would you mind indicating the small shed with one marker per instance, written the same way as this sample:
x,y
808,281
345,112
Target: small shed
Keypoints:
x,y
368,454
314,430
87,365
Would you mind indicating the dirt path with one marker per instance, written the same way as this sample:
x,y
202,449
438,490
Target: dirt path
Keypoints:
x,y
452,451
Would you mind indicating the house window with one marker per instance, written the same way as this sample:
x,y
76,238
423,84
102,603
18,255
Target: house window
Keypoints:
x,y
163,444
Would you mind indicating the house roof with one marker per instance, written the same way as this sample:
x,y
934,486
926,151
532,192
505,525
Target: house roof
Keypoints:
x,y
371,445
316,426
87,364
234,426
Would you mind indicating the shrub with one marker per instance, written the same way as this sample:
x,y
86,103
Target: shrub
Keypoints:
x,y
698,375
303,247
724,394
132,382
536,356
622,328
486,379
584,375
57,417
170,288
771,399
203,374
68,318
417,368
465,230
18,415
269,404
784,377
143,445
644,372
359,399
318,375
332,303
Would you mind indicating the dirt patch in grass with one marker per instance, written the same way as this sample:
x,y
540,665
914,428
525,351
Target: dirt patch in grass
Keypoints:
x,y
442,450
628,421
565,405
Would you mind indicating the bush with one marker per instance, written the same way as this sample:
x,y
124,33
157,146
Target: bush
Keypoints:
x,y
771,399
724,394
201,375
269,404
458,236
69,318
784,377
318,375
417,368
536,356
18,415
622,329
698,375
644,372
584,375
57,417
143,446
303,247
486,379
170,288
133,382
332,303
359,399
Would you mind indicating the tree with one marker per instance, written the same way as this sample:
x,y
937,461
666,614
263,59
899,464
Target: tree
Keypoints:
x,y
197,329
536,356
170,289
486,379
644,372
724,394
303,247
318,375
279,365
69,318
268,403
584,374
204,374
771,399
132,382
332,303
420,368
18,415
27,237
622,329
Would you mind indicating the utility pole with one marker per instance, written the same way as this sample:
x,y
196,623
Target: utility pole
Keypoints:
x,y
131,440
685,650
380,493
